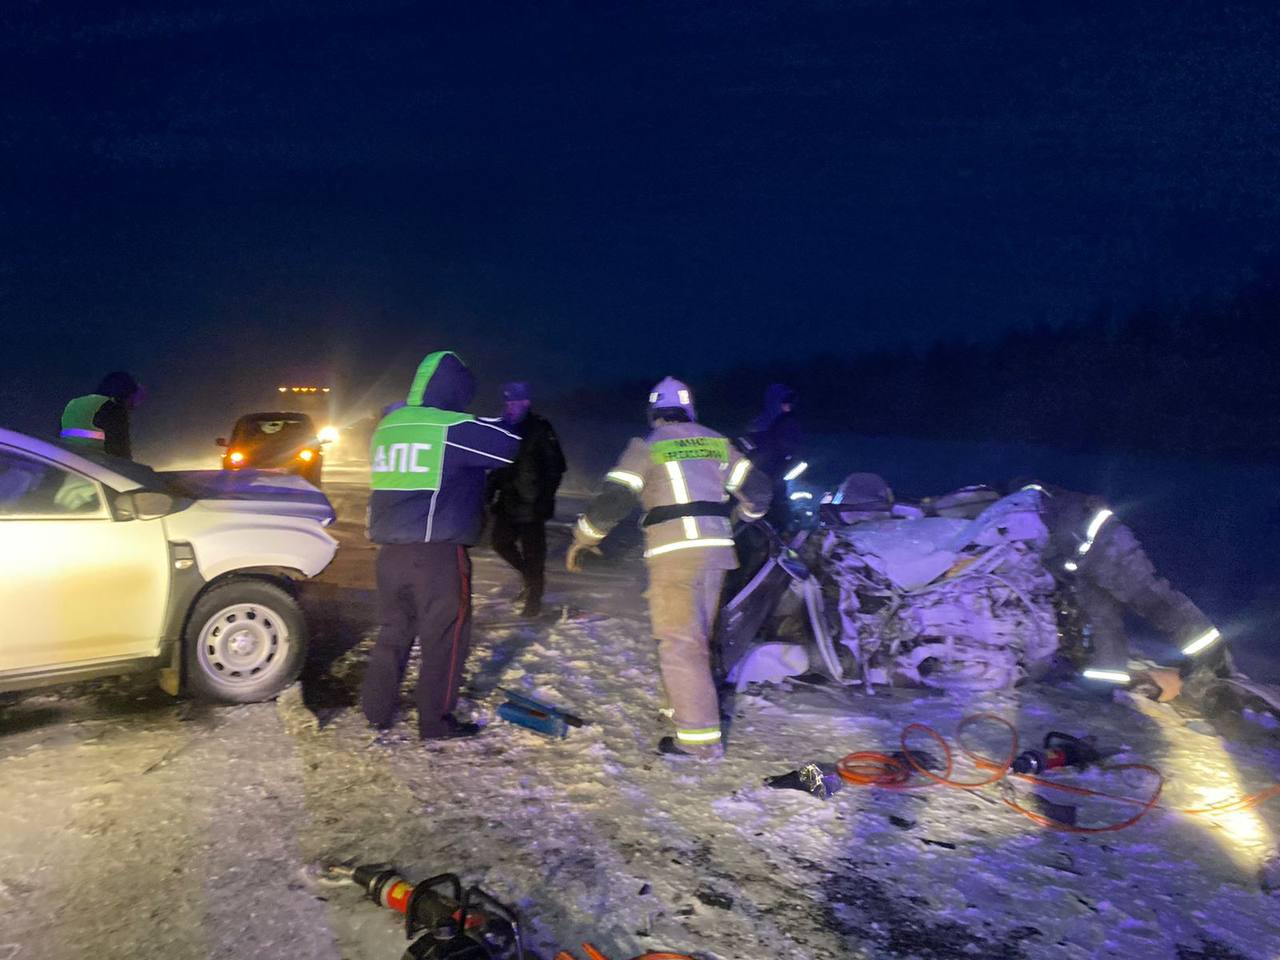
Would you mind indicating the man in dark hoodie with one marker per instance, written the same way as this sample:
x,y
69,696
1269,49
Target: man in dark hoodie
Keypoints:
x,y
773,446
428,462
100,420
524,495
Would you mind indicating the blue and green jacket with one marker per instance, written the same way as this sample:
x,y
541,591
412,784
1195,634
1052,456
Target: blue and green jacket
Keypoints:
x,y
428,460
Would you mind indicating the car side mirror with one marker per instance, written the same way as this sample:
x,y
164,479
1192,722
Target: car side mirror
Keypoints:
x,y
144,505
221,441
150,505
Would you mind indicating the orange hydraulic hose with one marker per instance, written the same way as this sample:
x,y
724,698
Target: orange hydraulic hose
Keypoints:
x,y
1238,804
867,768
593,954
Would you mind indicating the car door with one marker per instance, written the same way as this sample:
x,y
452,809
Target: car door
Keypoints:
x,y
76,586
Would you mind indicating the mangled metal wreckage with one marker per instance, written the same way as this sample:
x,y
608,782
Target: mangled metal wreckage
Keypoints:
x,y
949,593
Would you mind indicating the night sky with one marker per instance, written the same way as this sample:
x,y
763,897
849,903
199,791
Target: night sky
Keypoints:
x,y
209,194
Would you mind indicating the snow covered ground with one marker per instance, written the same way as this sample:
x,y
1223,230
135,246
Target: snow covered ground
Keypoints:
x,y
133,826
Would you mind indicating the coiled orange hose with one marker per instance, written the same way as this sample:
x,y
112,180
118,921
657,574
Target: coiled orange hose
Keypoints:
x,y
868,768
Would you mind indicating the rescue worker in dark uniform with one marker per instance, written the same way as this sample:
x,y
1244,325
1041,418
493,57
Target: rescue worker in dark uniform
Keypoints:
x,y
1093,553
773,444
523,495
100,420
686,477
428,462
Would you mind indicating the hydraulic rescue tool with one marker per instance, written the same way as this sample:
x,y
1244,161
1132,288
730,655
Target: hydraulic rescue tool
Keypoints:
x,y
1060,750
454,925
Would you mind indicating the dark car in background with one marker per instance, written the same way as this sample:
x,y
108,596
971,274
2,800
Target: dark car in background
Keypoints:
x,y
275,441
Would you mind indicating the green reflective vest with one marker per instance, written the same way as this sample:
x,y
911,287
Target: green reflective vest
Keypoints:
x,y
407,452
77,421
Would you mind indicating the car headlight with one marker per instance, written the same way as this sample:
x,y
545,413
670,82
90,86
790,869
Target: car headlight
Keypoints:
x,y
236,458
306,456
328,435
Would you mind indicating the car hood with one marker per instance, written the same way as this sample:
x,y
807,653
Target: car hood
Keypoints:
x,y
253,491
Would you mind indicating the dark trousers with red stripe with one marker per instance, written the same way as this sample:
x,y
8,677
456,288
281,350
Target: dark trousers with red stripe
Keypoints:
x,y
424,593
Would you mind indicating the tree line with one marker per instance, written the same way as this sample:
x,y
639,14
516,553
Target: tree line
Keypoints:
x,y
1200,380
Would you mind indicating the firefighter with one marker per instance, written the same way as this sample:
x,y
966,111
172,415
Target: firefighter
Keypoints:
x,y
686,477
428,463
100,420
1093,553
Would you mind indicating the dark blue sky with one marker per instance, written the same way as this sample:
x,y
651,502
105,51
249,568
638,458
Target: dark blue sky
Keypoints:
x,y
574,190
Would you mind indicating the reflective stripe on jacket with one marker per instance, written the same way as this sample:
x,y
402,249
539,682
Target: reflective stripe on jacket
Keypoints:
x,y
77,421
428,460
686,477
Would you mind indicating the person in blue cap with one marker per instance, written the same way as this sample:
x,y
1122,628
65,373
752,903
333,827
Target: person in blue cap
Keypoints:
x,y
523,495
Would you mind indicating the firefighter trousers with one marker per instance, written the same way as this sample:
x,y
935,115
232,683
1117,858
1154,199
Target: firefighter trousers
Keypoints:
x,y
1117,576
684,598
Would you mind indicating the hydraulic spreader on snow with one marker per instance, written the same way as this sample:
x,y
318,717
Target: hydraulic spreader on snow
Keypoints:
x,y
450,923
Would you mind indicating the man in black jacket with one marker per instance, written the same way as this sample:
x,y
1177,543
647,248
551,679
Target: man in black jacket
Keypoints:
x,y
773,446
524,495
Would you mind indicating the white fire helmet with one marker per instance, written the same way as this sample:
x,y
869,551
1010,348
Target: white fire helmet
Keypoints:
x,y
671,393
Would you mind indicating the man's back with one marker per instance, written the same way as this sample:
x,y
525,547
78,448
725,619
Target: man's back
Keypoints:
x,y
429,461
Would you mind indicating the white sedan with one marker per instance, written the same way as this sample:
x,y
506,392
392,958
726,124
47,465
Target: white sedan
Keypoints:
x,y
108,567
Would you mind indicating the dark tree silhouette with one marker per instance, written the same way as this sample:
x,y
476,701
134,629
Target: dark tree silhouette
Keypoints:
x,y
1201,380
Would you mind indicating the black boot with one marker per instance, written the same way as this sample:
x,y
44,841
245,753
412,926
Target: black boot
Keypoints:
x,y
454,730
671,747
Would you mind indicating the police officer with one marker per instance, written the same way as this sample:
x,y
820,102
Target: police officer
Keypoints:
x,y
1093,553
686,477
428,462
100,420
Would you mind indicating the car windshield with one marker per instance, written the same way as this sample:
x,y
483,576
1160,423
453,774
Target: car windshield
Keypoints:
x,y
274,428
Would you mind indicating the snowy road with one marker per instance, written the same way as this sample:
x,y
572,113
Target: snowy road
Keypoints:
x,y
132,826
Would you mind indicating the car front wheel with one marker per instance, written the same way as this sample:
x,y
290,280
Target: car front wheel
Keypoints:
x,y
245,641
